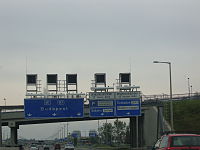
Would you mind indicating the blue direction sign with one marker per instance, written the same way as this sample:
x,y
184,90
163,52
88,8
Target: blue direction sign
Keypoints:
x,y
92,134
53,108
128,107
102,108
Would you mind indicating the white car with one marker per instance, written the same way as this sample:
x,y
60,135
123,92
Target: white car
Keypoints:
x,y
34,147
69,147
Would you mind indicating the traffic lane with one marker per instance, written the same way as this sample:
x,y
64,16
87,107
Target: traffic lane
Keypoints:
x,y
62,148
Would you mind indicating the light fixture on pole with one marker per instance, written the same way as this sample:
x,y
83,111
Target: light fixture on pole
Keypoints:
x,y
170,83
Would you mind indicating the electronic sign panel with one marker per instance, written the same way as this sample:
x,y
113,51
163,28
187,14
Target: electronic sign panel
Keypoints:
x,y
52,78
125,77
100,78
31,78
53,108
71,78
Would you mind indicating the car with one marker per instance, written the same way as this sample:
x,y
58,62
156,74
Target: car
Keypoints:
x,y
34,147
178,141
46,147
69,147
156,145
57,147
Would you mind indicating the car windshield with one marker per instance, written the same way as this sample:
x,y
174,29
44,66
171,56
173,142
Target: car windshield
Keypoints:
x,y
178,141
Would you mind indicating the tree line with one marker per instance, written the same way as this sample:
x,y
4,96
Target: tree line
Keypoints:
x,y
117,133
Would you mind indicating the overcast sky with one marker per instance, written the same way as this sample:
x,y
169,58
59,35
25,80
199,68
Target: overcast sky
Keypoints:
x,y
92,36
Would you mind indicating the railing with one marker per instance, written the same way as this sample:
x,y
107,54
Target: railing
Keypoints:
x,y
184,96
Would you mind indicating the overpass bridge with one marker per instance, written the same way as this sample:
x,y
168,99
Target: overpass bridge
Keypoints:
x,y
144,129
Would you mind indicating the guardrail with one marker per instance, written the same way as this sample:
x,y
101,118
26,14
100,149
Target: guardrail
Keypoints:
x,y
184,96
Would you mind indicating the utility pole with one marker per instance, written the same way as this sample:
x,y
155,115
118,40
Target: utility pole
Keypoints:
x,y
67,129
64,131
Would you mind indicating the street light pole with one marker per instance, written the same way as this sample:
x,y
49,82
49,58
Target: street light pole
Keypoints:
x,y
171,104
170,84
189,88
5,103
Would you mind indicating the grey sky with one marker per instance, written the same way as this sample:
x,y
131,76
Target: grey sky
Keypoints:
x,y
89,36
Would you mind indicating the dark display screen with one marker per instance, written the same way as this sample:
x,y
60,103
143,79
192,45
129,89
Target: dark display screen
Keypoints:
x,y
71,78
100,78
52,78
31,79
125,77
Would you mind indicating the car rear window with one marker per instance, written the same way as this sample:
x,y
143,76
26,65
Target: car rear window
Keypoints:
x,y
178,141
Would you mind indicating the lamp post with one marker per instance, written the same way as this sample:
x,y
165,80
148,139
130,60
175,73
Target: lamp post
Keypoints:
x,y
5,103
189,88
170,83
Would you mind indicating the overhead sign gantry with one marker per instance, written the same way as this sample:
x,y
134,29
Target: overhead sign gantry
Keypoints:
x,y
125,102
103,101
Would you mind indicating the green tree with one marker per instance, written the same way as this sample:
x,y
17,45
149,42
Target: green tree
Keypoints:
x,y
93,140
119,131
127,138
106,133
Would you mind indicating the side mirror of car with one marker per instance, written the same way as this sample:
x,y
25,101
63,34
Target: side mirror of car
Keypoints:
x,y
156,146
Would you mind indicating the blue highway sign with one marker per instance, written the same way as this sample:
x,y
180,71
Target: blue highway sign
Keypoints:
x,y
102,108
92,134
128,107
74,135
53,108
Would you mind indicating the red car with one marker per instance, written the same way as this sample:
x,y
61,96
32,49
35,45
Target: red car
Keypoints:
x,y
178,142
57,147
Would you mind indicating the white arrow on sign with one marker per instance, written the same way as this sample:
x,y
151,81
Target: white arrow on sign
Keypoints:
x,y
78,114
29,114
54,114
128,113
102,114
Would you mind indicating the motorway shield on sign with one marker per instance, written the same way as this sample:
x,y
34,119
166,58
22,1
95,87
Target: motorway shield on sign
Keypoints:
x,y
53,108
128,107
102,108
